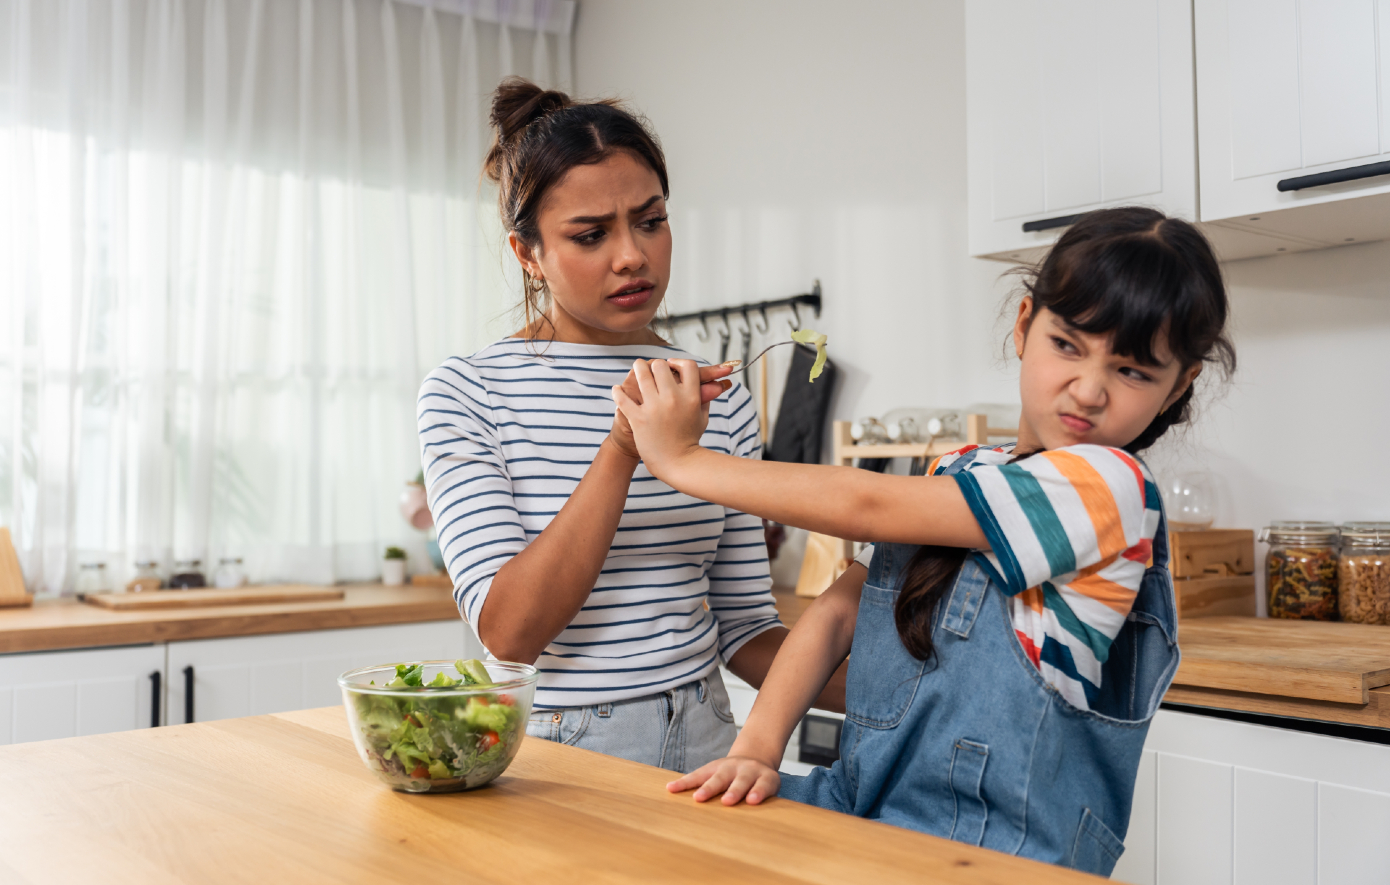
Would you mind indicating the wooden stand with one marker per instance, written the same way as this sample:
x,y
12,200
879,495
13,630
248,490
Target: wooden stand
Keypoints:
x,y
827,557
1213,572
12,592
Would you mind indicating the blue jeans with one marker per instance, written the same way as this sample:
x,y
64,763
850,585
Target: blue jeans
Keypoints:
x,y
680,729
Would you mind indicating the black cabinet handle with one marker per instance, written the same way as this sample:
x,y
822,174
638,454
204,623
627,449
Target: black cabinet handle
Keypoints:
x,y
156,682
188,693
1050,223
1336,176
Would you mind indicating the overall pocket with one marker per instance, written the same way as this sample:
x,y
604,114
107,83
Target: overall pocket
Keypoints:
x,y
883,677
1096,849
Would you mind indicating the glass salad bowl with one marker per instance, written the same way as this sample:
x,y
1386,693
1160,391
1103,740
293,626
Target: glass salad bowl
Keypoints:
x,y
438,726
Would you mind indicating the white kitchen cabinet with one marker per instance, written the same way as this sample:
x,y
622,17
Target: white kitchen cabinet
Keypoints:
x,y
62,694
1074,105
1287,89
253,675
1230,803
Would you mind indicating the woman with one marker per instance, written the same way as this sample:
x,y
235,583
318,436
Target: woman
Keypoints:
x,y
563,550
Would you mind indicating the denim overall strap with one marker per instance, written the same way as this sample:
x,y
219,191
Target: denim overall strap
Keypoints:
x,y
963,604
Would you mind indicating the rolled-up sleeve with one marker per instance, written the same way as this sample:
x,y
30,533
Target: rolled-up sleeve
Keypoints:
x,y
740,581
469,490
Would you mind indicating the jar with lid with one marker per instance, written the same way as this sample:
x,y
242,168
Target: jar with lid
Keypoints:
x,y
229,574
146,577
1363,573
91,578
188,575
1301,570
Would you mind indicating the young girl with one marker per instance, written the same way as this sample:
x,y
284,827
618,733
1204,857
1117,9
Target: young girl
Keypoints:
x,y
1013,630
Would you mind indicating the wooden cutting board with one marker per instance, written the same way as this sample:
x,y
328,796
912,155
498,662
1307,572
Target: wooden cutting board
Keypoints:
x,y
1298,659
198,598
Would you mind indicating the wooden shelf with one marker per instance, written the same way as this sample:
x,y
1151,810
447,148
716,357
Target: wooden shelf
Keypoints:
x,y
977,432
845,452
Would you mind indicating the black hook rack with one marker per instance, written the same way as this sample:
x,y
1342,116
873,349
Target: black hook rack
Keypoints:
x,y
810,299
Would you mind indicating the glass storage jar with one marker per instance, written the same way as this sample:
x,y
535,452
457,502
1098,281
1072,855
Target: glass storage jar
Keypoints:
x,y
188,575
146,577
1363,573
229,574
91,578
1301,570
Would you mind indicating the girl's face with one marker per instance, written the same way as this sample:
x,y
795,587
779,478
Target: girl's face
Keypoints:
x,y
605,252
1075,390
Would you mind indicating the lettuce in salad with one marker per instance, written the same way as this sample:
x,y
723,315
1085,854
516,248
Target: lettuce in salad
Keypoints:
x,y
413,737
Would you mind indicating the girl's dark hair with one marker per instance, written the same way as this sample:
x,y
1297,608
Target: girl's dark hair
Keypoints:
x,y
1134,274
539,135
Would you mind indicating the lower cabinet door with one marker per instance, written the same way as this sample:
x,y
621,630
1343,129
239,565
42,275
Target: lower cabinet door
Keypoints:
x,y
1233,803
61,694
253,675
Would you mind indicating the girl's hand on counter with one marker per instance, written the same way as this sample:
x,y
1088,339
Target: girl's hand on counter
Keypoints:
x,y
672,414
713,384
737,777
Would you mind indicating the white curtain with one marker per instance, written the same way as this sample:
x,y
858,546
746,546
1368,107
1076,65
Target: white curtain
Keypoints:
x,y
234,235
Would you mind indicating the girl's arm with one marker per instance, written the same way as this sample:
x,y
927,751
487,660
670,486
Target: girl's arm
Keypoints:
x,y
815,649
844,502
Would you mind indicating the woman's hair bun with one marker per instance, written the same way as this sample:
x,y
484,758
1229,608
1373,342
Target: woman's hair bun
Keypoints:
x,y
518,103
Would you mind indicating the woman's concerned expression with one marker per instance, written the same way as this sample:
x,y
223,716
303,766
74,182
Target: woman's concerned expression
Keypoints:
x,y
604,252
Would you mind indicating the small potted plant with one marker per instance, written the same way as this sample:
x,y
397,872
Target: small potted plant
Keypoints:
x,y
393,567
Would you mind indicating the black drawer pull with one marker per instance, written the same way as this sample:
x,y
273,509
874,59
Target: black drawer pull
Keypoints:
x,y
1050,223
156,681
1336,176
188,693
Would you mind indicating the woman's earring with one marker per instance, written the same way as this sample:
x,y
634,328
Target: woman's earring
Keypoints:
x,y
537,284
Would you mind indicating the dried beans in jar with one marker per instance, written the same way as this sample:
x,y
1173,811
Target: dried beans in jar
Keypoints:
x,y
1301,570
1363,573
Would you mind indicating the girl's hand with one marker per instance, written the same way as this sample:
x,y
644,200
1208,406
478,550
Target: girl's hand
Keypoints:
x,y
671,416
737,777
713,384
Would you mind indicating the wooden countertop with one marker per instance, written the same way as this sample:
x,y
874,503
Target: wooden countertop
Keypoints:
x,y
66,623
1331,672
286,798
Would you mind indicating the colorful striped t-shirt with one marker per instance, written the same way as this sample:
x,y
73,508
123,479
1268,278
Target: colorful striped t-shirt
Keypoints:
x,y
1070,534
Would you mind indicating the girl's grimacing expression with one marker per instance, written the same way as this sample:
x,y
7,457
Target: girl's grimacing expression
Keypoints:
x,y
1075,390
605,251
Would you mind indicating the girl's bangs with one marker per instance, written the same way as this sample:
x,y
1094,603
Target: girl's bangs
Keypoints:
x,y
1130,288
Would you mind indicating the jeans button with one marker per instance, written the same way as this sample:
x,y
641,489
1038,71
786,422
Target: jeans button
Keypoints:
x,y
556,717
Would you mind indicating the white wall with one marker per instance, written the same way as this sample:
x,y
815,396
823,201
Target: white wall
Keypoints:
x,y
806,140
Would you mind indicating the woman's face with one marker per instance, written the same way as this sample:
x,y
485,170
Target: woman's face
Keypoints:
x,y
605,251
1076,390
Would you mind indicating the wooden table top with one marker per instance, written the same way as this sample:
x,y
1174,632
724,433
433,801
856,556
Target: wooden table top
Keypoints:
x,y
286,799
66,623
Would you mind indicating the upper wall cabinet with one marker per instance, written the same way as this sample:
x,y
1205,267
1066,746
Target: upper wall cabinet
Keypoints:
x,y
1287,90
1073,105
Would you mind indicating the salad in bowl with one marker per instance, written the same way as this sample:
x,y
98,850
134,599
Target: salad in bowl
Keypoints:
x,y
438,726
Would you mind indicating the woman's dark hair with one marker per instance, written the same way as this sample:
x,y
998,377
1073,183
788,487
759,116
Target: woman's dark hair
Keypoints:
x,y
1134,274
539,135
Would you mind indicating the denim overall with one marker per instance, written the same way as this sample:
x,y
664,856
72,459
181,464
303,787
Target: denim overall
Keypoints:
x,y
973,745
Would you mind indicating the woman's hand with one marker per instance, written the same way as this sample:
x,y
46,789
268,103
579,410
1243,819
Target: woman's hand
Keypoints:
x,y
671,416
713,384
737,777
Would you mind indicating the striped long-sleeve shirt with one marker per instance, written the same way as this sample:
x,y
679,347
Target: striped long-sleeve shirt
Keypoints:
x,y
506,435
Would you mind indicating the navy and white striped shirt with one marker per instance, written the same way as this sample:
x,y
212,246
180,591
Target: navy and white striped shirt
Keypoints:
x,y
505,437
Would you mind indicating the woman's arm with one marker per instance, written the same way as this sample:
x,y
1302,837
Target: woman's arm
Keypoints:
x,y
540,590
840,501
815,649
